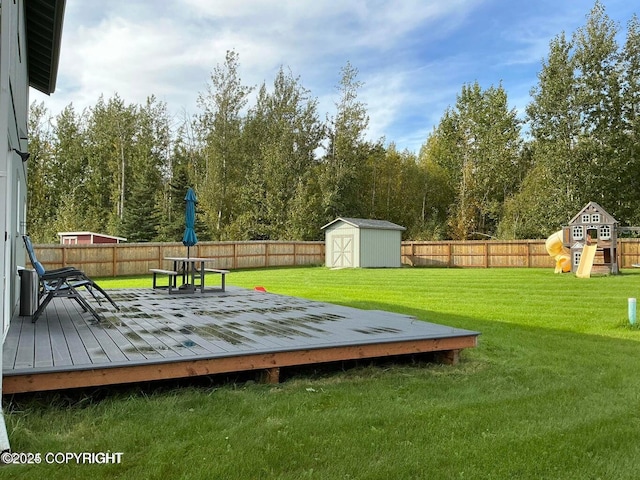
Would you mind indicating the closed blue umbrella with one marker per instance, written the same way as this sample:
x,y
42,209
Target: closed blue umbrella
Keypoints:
x,y
189,238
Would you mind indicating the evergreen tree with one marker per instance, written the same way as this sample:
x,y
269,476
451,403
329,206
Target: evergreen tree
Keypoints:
x,y
149,152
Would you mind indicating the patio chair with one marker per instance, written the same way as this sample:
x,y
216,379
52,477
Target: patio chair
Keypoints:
x,y
63,282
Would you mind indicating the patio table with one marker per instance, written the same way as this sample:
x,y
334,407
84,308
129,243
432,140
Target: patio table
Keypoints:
x,y
192,269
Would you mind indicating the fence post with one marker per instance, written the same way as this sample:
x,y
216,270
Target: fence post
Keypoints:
x,y
234,261
486,254
266,254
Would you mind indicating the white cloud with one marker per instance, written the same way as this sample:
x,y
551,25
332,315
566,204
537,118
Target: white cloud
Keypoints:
x,y
413,56
168,49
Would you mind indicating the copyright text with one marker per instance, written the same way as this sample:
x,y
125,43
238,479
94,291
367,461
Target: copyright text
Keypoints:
x,y
60,458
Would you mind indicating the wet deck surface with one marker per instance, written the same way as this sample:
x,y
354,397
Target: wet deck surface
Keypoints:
x,y
155,328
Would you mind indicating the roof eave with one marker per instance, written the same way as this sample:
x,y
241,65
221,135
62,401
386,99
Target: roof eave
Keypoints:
x,y
44,20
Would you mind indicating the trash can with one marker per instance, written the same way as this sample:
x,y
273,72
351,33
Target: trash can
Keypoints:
x,y
28,292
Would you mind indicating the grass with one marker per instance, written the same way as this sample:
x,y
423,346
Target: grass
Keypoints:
x,y
552,391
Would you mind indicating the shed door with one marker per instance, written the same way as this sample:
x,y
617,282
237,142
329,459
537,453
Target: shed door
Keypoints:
x,y
342,251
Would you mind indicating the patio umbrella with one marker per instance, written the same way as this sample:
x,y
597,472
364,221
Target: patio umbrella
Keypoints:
x,y
189,238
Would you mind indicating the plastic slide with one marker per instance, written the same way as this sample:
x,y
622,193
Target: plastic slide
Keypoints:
x,y
586,261
560,254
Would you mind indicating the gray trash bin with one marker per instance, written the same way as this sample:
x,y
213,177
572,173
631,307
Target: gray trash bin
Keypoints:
x,y
28,292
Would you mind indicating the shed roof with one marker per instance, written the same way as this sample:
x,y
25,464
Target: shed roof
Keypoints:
x,y
44,20
366,223
92,234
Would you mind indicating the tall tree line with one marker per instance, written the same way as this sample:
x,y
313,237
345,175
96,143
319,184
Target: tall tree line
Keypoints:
x,y
584,127
272,168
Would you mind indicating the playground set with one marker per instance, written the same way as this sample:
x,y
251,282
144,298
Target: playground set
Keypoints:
x,y
588,244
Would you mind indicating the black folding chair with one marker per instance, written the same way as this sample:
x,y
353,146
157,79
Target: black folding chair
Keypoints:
x,y
63,282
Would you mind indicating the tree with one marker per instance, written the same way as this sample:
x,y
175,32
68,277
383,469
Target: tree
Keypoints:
x,y
219,127
294,132
347,151
70,162
142,215
41,206
281,134
438,191
576,129
599,103
178,179
628,171
550,190
110,139
478,145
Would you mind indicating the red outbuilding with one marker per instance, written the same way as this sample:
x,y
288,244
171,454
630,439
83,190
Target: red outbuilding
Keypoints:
x,y
87,238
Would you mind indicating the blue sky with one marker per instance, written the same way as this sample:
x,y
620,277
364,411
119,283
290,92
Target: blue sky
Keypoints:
x,y
413,56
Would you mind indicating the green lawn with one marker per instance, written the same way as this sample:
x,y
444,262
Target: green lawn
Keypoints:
x,y
552,391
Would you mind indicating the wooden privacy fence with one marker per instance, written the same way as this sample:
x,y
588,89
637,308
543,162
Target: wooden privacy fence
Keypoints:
x,y
498,253
485,254
137,258
113,260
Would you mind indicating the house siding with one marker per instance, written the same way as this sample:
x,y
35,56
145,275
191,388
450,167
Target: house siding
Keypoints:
x,y
13,121
14,98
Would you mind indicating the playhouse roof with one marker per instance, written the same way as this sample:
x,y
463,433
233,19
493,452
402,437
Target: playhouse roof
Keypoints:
x,y
593,207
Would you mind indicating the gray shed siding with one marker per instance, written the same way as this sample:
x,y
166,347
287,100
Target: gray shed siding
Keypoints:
x,y
353,243
380,248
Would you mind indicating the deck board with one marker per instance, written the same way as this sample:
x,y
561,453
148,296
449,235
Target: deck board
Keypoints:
x,y
10,347
42,340
156,335
59,348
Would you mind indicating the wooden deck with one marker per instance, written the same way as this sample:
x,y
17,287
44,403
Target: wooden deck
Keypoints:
x,y
157,336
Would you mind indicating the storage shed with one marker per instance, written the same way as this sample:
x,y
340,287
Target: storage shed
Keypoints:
x,y
358,242
87,238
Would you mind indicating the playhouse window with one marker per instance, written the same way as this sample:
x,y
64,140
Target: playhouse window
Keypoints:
x,y
577,232
576,258
586,218
605,232
595,218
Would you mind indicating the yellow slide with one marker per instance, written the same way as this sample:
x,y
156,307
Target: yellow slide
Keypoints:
x,y
560,254
586,261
